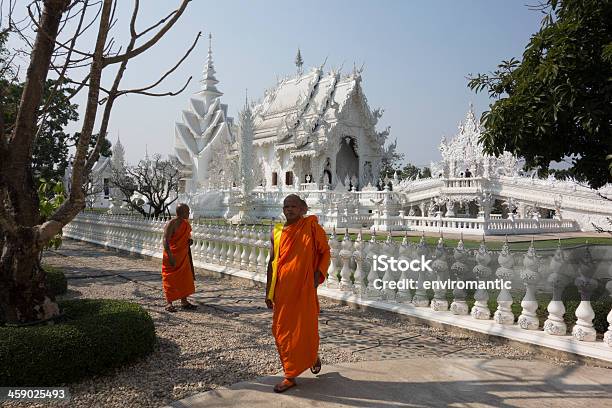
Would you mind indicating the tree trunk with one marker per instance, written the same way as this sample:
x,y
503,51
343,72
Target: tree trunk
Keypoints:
x,y
23,292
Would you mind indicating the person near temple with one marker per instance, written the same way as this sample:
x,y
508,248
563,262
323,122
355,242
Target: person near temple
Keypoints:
x,y
177,267
298,265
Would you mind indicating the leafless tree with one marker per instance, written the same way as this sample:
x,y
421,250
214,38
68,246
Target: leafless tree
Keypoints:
x,y
153,178
57,46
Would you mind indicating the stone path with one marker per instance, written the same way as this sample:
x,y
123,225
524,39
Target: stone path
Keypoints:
x,y
425,382
228,339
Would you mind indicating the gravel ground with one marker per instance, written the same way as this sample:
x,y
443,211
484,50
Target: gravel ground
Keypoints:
x,y
211,347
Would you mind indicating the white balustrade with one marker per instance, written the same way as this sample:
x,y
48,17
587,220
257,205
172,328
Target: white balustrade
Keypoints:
x,y
248,249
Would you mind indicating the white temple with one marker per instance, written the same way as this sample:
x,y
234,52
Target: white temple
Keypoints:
x,y
314,128
314,134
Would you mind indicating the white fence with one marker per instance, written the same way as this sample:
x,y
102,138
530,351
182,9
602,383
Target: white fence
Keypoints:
x,y
243,251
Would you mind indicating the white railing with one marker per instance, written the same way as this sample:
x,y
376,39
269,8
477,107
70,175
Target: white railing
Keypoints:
x,y
245,250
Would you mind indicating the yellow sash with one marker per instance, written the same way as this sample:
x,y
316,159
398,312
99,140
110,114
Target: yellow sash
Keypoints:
x,y
278,230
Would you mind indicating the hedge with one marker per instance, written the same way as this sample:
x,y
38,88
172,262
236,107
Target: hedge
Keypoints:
x,y
56,280
95,337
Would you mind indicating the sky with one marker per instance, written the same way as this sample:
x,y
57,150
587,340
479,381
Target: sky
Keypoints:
x,y
416,57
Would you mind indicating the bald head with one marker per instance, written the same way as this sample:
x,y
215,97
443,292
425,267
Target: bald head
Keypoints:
x,y
294,208
182,211
294,198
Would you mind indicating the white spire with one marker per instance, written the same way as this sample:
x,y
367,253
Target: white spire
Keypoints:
x,y
246,147
118,157
209,82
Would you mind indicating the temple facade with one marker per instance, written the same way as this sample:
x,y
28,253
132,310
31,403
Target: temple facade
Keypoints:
x,y
313,128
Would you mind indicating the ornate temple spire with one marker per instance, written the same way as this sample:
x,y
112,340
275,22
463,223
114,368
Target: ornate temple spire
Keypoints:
x,y
246,147
118,157
209,82
299,63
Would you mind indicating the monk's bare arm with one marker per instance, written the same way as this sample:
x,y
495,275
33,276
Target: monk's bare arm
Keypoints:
x,y
269,275
168,232
322,248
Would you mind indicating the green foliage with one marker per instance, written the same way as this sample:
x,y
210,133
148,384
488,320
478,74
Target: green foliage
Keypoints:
x,y
97,336
409,171
50,197
556,103
56,280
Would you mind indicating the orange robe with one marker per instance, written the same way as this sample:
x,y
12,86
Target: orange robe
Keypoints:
x,y
178,280
295,323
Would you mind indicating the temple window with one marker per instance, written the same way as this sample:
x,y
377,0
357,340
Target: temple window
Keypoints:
x,y
274,178
289,178
106,188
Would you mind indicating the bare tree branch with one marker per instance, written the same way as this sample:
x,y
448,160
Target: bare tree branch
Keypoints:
x,y
152,41
62,74
170,71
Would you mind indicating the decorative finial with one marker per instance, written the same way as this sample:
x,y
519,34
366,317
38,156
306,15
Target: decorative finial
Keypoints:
x,y
209,42
246,98
299,62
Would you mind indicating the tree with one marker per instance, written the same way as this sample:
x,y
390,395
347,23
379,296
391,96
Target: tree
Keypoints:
x,y
556,104
155,179
23,294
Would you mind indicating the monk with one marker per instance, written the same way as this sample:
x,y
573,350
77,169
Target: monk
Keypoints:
x,y
298,265
177,268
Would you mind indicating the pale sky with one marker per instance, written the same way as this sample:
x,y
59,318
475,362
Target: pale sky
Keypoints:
x,y
417,55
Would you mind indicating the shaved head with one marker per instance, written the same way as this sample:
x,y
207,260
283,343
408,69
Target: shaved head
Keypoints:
x,y
182,210
297,198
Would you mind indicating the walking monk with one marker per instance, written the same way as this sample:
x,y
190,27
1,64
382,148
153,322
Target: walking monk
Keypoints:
x,y
177,268
298,264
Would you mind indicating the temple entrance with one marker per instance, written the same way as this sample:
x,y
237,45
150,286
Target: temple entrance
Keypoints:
x,y
347,161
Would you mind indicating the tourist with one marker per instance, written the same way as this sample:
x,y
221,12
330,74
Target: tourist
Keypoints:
x,y
177,267
298,264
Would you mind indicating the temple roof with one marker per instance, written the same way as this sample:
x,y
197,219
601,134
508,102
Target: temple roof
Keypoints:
x,y
300,105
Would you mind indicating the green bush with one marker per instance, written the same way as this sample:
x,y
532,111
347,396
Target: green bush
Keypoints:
x,y
96,336
56,280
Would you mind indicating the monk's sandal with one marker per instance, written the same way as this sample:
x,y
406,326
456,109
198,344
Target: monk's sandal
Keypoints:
x,y
316,368
284,385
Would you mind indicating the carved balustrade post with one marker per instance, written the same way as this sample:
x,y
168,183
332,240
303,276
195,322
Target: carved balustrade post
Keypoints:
x,y
246,247
439,302
403,290
528,319
332,271
216,253
608,334
231,246
458,270
555,324
346,252
503,314
420,298
482,272
372,253
358,255
236,256
264,243
253,242
389,275
210,240
583,330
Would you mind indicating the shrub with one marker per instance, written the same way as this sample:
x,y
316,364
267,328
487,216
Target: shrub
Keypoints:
x,y
95,336
56,280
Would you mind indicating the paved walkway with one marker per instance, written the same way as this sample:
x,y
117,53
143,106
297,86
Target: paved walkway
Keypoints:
x,y
398,364
424,382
